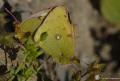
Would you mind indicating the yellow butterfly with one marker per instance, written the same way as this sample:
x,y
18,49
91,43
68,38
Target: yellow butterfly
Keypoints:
x,y
53,32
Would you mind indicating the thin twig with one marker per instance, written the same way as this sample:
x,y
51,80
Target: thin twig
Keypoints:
x,y
12,15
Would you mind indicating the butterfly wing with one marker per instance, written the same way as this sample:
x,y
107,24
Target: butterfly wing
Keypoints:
x,y
55,35
30,24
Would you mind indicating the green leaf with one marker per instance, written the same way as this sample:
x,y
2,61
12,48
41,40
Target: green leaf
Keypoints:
x,y
111,10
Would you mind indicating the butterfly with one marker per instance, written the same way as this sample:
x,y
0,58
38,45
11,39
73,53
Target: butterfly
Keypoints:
x,y
53,32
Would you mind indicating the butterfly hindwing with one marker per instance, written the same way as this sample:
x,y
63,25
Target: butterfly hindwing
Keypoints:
x,y
31,24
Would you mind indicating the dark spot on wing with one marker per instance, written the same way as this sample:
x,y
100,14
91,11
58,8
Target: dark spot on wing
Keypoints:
x,y
65,16
69,35
43,36
69,19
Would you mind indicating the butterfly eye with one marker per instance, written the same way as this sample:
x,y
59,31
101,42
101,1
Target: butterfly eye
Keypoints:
x,y
43,36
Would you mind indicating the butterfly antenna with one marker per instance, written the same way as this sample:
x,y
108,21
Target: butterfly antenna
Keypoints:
x,y
17,21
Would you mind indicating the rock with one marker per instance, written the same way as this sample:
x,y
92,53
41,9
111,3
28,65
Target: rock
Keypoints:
x,y
1,3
